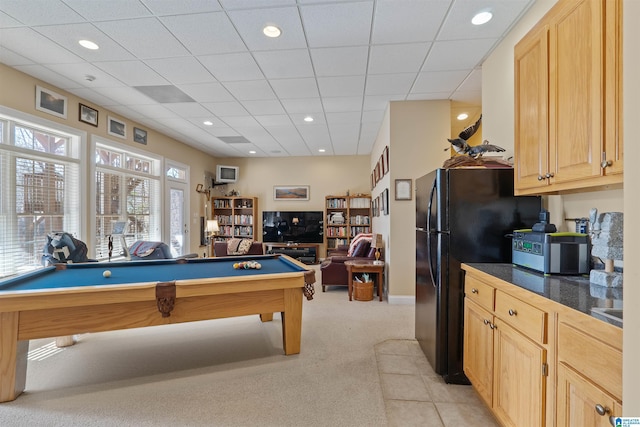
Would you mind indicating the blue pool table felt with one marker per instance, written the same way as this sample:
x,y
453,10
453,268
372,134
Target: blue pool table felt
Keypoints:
x,y
90,274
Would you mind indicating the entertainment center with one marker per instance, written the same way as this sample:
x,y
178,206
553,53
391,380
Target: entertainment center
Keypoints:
x,y
297,234
303,252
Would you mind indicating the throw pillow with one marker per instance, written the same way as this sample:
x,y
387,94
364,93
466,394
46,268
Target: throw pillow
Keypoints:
x,y
238,246
354,242
362,248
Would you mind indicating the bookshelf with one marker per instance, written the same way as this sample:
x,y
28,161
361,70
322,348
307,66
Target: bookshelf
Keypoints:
x,y
345,218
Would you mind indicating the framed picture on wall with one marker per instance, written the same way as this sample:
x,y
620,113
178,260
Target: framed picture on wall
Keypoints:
x,y
88,115
291,192
403,189
385,158
51,102
116,128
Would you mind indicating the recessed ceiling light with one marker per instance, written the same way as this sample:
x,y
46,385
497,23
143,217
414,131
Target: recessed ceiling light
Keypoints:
x,y
308,119
271,31
252,152
88,44
462,116
321,150
207,123
482,18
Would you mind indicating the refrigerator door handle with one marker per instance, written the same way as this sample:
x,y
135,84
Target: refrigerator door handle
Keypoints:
x,y
429,232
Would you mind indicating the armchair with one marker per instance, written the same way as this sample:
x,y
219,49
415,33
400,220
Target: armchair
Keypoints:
x,y
334,272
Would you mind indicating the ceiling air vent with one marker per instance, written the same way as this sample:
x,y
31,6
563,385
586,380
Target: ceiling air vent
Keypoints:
x,y
234,139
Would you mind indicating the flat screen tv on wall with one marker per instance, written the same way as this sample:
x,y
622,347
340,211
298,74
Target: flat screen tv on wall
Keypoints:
x,y
294,227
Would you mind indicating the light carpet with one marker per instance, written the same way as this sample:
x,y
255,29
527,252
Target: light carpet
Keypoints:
x,y
226,372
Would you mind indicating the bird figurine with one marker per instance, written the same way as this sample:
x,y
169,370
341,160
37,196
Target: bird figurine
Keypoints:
x,y
461,146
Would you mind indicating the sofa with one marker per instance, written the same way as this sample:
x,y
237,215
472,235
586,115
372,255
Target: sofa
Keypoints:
x,y
333,270
220,249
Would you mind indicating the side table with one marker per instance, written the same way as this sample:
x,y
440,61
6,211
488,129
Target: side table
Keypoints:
x,y
361,266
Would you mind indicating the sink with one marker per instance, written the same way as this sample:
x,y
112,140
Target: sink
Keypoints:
x,y
608,313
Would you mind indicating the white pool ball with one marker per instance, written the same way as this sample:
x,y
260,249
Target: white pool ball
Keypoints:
x,y
106,273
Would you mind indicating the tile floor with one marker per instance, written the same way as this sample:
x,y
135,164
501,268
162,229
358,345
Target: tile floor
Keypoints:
x,y
415,395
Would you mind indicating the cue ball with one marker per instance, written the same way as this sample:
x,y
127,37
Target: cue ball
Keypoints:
x,y
106,273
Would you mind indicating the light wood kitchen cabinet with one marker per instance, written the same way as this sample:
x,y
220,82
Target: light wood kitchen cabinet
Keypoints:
x,y
589,372
507,366
538,362
568,99
478,350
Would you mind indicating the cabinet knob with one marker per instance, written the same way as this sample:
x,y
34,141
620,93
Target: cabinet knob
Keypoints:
x,y
492,326
549,175
606,163
474,291
540,177
602,410
512,312
486,322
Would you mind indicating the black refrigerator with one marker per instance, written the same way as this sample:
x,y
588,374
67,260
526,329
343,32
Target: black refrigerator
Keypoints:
x,y
462,215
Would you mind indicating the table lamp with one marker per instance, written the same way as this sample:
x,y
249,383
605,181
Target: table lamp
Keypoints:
x,y
377,243
211,229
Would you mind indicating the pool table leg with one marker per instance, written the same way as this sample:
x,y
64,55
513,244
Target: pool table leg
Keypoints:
x,y
13,358
292,320
266,317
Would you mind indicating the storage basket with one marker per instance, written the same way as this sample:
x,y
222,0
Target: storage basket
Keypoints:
x,y
362,291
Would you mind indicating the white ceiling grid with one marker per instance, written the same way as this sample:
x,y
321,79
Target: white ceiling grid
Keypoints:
x,y
339,61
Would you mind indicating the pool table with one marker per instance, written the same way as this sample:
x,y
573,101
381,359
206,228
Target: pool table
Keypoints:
x,y
68,299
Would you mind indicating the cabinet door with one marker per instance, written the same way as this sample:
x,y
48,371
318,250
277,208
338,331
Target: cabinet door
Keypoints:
x,y
613,89
531,118
519,378
576,63
579,400
478,349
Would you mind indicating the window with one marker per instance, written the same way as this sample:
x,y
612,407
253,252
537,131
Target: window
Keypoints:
x,y
39,191
127,189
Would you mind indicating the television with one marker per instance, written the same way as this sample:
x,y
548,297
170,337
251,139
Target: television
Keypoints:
x,y
292,226
226,174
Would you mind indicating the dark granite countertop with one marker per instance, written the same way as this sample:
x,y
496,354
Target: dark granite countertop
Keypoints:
x,y
572,291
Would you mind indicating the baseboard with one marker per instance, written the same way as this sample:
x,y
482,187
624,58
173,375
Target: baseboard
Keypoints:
x,y
402,299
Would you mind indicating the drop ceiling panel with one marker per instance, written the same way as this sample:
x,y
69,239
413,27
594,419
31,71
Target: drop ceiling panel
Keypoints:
x,y
250,23
132,73
124,96
47,75
341,86
12,59
398,58
419,20
468,54
302,106
109,10
36,47
248,4
342,104
390,84
82,72
68,36
340,61
181,70
250,90
206,33
169,7
232,66
264,107
504,14
440,81
157,42
275,120
188,109
207,92
295,88
325,25
40,12
283,64
223,109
